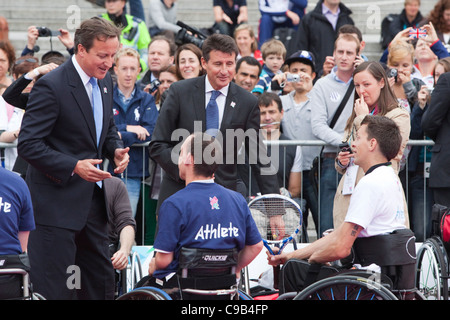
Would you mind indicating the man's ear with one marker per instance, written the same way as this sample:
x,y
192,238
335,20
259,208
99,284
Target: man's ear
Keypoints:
x,y
189,159
373,144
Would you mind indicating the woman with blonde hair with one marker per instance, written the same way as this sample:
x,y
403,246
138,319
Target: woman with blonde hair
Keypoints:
x,y
247,43
373,96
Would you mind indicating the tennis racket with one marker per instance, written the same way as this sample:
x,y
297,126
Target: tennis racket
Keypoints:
x,y
265,210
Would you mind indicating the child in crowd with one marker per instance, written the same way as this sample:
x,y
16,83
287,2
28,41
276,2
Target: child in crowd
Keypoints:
x,y
274,54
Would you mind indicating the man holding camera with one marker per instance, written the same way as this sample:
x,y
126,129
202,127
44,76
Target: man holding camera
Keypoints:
x,y
296,122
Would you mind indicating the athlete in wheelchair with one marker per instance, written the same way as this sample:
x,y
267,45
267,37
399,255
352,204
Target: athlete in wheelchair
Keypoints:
x,y
16,222
206,233
373,235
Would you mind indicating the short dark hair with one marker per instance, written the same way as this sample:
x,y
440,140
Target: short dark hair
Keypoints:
x,y
208,164
94,28
219,42
250,61
172,45
267,98
350,29
386,132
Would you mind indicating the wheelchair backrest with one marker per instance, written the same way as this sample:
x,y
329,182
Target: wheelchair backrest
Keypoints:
x,y
207,262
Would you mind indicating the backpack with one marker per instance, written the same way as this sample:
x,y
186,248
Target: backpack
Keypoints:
x,y
385,26
440,219
285,35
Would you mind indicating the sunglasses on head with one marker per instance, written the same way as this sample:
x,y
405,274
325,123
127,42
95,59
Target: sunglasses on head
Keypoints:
x,y
26,60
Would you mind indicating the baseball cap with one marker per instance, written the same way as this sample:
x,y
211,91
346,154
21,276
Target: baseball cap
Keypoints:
x,y
302,56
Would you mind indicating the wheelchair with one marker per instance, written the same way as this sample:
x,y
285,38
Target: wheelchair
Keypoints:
x,y
432,269
336,283
382,278
204,274
15,281
432,266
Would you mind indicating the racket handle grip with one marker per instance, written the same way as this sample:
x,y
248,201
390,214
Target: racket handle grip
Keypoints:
x,y
276,276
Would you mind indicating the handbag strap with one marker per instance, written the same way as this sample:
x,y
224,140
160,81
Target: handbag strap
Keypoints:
x,y
342,105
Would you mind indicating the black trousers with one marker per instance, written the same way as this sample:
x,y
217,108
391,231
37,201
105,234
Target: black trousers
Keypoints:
x,y
68,264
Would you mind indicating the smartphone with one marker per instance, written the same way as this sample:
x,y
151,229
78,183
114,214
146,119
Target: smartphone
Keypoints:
x,y
345,147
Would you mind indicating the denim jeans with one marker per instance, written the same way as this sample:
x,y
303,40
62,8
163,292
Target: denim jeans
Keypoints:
x,y
420,203
329,180
134,192
311,200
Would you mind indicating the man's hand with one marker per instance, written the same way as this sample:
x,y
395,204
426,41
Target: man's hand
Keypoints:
x,y
121,159
293,16
66,39
276,259
32,35
328,65
140,131
87,170
119,260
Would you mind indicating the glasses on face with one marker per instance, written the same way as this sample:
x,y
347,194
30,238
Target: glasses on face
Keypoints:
x,y
26,60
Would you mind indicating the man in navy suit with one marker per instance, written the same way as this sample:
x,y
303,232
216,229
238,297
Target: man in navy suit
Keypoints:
x,y
185,111
64,142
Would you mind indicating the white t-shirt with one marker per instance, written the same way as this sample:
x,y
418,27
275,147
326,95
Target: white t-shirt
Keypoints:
x,y
377,203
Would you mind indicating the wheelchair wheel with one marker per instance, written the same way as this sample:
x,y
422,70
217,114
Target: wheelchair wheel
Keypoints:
x,y
345,288
145,293
432,270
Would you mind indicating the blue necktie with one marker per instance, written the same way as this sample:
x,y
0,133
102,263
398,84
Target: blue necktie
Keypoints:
x,y
97,108
212,114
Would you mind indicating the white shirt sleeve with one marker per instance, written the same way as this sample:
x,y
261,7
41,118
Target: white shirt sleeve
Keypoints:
x,y
3,115
297,165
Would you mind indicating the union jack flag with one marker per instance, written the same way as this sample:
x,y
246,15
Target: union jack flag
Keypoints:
x,y
417,33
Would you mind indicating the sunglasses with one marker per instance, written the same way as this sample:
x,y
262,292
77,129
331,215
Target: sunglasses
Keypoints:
x,y
26,60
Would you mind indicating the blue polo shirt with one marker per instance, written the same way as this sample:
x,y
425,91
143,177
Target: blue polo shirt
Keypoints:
x,y
204,215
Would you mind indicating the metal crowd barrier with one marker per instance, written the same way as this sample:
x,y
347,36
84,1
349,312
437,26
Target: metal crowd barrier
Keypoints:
x,y
281,143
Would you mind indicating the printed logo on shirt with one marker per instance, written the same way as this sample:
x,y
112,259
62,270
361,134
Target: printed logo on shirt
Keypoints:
x,y
115,112
214,202
137,115
335,96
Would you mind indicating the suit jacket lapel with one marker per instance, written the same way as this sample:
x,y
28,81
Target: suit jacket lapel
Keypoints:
x,y
80,96
107,106
199,101
230,103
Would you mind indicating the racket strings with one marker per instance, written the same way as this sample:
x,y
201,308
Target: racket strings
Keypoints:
x,y
264,209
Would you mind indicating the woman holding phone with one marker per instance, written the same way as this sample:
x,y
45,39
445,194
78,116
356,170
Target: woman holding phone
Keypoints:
x,y
373,96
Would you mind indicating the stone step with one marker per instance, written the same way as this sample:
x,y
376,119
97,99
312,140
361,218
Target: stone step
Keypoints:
x,y
197,13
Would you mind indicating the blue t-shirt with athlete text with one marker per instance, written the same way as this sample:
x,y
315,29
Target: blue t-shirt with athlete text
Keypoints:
x,y
16,211
204,215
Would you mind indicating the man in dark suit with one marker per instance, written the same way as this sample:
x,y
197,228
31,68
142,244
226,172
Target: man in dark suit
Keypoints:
x,y
436,125
186,109
67,130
